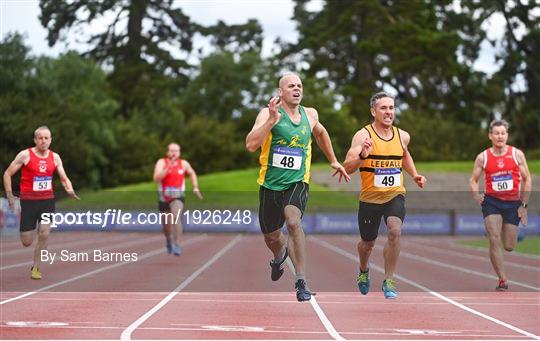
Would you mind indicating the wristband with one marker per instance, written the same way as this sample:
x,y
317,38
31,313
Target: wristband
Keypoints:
x,y
361,157
524,204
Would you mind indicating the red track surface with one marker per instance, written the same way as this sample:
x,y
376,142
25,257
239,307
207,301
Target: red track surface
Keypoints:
x,y
220,289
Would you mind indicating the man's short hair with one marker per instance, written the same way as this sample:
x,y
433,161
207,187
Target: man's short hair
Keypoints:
x,y
382,94
41,128
498,123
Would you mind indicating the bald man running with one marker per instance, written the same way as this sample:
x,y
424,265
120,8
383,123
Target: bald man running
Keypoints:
x,y
37,165
283,132
169,173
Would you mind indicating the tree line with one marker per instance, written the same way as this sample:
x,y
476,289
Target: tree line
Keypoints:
x,y
114,107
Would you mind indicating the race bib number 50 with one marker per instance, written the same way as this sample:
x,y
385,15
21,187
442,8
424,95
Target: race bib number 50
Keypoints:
x,y
42,183
287,158
502,183
387,177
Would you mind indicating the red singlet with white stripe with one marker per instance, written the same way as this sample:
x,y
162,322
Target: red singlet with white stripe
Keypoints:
x,y
36,177
503,179
173,185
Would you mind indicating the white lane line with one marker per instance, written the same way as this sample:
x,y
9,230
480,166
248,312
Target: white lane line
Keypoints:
x,y
486,251
431,292
457,268
320,313
126,334
58,246
72,279
116,246
468,256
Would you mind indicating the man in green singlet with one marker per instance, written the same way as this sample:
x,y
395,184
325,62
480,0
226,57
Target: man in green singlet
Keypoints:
x,y
283,132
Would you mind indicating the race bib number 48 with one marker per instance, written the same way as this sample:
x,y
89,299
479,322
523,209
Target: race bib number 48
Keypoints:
x,y
42,183
287,158
502,183
387,177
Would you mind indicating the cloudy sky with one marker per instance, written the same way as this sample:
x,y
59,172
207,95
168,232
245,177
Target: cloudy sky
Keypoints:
x,y
274,16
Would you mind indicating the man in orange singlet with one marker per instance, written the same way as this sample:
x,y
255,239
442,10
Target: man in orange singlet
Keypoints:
x,y
380,151
37,166
169,173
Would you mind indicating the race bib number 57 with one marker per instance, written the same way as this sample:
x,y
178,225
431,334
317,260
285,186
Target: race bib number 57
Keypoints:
x,y
287,158
42,183
387,177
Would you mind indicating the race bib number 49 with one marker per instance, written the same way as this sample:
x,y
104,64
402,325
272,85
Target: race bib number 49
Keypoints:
x,y
387,177
42,183
502,183
287,158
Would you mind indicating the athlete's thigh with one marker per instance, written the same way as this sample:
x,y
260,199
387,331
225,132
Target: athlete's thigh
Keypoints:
x,y
493,224
509,235
271,215
369,219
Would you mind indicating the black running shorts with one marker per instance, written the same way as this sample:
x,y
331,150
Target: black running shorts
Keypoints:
x,y
369,216
272,205
31,211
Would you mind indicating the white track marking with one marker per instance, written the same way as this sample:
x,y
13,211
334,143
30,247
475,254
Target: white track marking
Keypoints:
x,y
115,246
456,268
72,279
320,313
464,255
431,292
126,334
58,245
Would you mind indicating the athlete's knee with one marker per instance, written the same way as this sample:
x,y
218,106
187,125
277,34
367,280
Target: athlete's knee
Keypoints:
x,y
293,224
44,233
394,235
366,244
494,238
271,238
26,243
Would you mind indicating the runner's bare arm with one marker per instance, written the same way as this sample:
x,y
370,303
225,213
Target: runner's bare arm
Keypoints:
x,y
475,177
68,187
160,171
193,177
408,162
352,160
325,143
266,119
13,168
527,185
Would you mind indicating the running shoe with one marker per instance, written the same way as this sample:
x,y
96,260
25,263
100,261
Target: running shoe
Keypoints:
x,y
177,250
389,288
363,282
277,267
35,273
502,286
302,291
169,246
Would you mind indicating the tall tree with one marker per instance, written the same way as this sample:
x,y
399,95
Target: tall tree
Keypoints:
x,y
363,46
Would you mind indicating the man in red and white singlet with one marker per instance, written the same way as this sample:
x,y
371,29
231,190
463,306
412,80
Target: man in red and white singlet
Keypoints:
x,y
37,165
170,173
507,189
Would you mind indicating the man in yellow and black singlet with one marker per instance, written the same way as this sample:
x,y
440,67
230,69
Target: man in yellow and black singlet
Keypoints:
x,y
380,151
283,132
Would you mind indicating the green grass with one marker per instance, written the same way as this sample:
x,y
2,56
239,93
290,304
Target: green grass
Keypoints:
x,y
444,166
232,190
238,189
530,245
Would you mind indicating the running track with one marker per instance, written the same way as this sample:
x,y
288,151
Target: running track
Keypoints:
x,y
220,289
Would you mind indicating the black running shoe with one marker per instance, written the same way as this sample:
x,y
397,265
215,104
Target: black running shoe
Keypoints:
x,y
277,267
302,291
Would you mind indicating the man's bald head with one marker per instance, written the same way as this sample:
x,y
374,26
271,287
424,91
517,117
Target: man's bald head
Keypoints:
x,y
286,77
41,129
